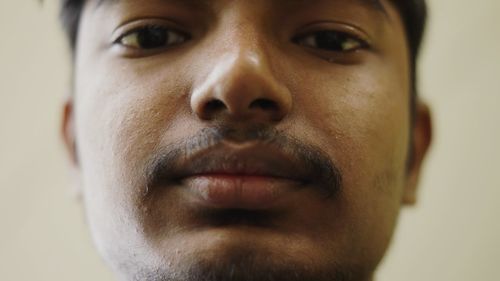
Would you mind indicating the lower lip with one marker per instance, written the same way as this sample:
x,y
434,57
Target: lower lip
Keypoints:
x,y
245,192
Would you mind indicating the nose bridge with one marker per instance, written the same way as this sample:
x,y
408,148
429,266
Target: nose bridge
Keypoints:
x,y
250,56
241,83
245,32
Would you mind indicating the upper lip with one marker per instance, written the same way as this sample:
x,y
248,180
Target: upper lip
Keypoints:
x,y
240,159
217,153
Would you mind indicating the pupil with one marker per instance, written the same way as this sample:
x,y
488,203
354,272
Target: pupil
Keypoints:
x,y
152,37
330,40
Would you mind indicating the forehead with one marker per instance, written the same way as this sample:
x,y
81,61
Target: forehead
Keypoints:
x,y
374,5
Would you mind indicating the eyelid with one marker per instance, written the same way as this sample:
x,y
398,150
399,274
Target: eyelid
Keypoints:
x,y
358,43
347,28
132,26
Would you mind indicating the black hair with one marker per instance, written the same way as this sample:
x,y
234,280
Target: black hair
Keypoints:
x,y
413,13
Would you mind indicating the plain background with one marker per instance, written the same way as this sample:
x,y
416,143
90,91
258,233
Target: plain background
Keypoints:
x,y
452,234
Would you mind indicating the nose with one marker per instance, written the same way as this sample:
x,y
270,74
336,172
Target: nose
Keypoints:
x,y
241,87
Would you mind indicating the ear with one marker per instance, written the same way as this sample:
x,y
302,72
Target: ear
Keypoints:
x,y
69,138
421,140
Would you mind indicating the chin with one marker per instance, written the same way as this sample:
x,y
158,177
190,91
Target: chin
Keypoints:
x,y
244,254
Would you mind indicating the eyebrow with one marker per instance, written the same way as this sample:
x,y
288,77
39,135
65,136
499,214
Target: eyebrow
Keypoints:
x,y
372,5
375,5
189,3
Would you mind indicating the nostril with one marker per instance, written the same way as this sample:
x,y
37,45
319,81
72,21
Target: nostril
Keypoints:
x,y
264,104
214,106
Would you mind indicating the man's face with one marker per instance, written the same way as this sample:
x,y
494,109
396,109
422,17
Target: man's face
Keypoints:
x,y
243,140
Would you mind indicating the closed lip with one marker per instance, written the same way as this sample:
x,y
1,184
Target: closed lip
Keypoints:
x,y
247,176
241,160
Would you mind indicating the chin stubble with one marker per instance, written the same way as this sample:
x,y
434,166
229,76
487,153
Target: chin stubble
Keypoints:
x,y
246,266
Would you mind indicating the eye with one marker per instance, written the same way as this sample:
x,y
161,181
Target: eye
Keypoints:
x,y
152,37
330,40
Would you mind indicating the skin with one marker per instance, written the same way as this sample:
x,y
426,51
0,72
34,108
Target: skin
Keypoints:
x,y
128,104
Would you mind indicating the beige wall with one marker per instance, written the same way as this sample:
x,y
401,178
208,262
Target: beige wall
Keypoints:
x,y
453,233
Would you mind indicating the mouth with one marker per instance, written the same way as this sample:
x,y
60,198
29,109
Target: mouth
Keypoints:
x,y
255,171
237,191
235,176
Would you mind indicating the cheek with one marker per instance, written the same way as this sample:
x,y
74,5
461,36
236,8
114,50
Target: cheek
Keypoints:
x,y
359,115
120,122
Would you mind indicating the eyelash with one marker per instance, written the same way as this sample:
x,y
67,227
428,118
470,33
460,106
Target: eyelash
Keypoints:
x,y
165,38
324,40
332,41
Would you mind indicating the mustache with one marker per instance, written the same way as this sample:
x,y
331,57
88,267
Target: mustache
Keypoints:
x,y
320,172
